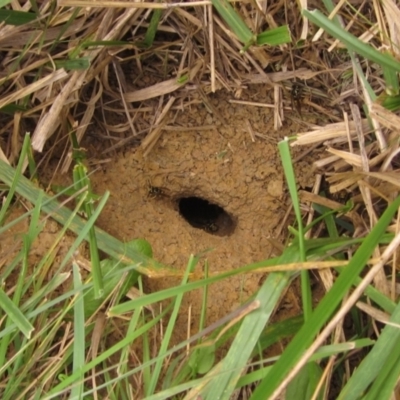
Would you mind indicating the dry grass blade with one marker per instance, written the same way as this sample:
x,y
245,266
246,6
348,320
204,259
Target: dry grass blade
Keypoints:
x,y
163,88
128,4
51,121
35,87
385,117
392,18
275,77
84,123
375,313
353,159
339,130
151,139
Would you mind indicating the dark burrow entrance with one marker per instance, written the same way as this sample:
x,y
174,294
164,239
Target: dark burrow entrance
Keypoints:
x,y
202,214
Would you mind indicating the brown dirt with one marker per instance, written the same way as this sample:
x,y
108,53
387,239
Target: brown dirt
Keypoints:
x,y
222,165
46,244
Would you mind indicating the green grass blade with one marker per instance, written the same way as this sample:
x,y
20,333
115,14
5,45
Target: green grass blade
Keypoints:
x,y
392,103
78,64
32,167
17,18
15,314
274,37
350,41
361,75
305,382
152,29
170,292
284,151
12,108
15,179
105,43
82,181
326,307
63,29
106,242
125,353
229,370
279,331
79,335
376,362
234,21
378,297
227,373
385,385
391,80
56,391
168,333
21,286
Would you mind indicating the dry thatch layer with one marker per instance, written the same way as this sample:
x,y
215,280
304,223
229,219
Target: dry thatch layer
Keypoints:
x,y
194,53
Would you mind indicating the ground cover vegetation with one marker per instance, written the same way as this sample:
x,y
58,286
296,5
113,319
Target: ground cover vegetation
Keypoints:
x,y
75,320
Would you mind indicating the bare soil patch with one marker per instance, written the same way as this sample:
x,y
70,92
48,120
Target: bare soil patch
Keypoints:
x,y
221,165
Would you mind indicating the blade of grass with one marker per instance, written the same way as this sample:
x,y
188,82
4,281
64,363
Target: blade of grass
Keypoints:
x,y
170,292
106,242
326,307
64,28
224,377
168,333
21,285
305,382
79,336
377,363
82,181
391,80
76,64
254,376
152,29
14,182
12,108
378,297
63,386
350,41
306,295
166,293
125,353
392,103
105,43
279,331
234,21
323,352
15,314
385,385
274,37
17,18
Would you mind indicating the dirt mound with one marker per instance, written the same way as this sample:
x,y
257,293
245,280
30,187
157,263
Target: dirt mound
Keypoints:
x,y
235,188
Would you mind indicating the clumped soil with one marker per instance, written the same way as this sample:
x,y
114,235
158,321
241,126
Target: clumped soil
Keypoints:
x,y
217,166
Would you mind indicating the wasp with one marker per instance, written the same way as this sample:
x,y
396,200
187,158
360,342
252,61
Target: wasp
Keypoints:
x,y
154,191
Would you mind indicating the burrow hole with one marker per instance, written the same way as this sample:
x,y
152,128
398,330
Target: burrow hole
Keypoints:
x,y
202,214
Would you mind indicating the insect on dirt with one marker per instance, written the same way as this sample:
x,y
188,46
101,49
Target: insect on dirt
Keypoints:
x,y
155,191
